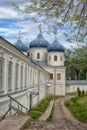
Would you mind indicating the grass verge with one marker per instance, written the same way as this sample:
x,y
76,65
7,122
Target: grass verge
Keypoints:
x,y
50,118
37,111
78,107
1,118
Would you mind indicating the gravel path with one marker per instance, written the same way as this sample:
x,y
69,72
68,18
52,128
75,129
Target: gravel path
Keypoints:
x,y
62,119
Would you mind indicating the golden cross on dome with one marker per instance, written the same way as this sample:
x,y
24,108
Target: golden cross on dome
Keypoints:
x,y
55,33
19,35
40,31
27,42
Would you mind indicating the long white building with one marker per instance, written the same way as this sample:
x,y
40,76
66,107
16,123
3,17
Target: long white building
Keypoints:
x,y
20,77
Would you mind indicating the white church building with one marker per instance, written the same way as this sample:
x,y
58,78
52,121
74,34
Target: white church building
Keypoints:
x,y
51,58
28,75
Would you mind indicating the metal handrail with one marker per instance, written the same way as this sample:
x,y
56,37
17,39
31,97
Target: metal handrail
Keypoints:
x,y
17,102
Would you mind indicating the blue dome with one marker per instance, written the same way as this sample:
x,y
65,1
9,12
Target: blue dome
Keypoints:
x,y
39,42
55,47
21,46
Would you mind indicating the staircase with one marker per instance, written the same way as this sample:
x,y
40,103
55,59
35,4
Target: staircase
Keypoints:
x,y
16,121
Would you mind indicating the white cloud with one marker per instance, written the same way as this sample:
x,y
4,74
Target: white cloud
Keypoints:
x,y
7,13
4,29
29,29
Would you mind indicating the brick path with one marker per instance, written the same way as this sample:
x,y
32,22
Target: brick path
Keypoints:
x,y
62,119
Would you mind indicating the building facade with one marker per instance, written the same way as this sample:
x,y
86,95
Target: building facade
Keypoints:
x,y
26,73
51,58
20,78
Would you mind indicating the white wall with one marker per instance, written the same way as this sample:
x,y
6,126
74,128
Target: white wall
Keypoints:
x,y
42,51
58,62
58,86
73,88
32,81
23,98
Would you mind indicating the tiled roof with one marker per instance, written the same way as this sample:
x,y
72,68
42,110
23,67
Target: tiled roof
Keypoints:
x,y
39,42
55,47
21,46
76,82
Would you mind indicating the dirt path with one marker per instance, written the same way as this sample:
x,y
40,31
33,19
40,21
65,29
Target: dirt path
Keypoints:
x,y
62,119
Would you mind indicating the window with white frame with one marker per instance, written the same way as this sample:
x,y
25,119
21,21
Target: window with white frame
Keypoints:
x,y
21,77
51,76
25,77
31,78
31,55
38,55
28,76
61,58
49,58
1,72
58,76
16,76
55,58
10,76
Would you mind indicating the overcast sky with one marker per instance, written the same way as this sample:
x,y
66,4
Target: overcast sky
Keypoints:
x,y
13,21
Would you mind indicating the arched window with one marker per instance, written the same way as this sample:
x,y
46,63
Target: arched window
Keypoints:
x,y
55,58
51,76
21,77
58,76
1,73
16,75
49,58
31,55
46,56
38,55
10,67
61,58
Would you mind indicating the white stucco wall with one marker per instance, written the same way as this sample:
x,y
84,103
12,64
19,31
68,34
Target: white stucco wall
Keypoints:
x,y
32,81
23,98
58,86
73,88
42,51
58,62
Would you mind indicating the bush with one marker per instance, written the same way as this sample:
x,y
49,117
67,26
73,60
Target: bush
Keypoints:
x,y
83,93
74,99
79,92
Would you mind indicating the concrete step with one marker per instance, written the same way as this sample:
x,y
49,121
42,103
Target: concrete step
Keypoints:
x,y
14,122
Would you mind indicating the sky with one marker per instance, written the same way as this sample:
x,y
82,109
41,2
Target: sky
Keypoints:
x,y
13,21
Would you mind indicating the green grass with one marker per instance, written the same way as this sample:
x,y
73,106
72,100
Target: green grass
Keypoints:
x,y
78,107
72,94
37,111
51,115
1,118
26,125
35,115
42,106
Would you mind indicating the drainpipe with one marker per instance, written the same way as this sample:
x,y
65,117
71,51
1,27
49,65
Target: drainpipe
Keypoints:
x,y
38,85
54,81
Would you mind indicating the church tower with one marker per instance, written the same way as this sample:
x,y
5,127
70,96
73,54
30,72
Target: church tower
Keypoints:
x,y
21,46
55,60
38,48
51,58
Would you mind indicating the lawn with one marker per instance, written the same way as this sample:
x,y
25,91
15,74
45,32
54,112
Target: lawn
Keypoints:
x,y
37,111
78,107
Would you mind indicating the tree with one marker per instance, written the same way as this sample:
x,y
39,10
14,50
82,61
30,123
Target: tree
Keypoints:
x,y
76,64
72,13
